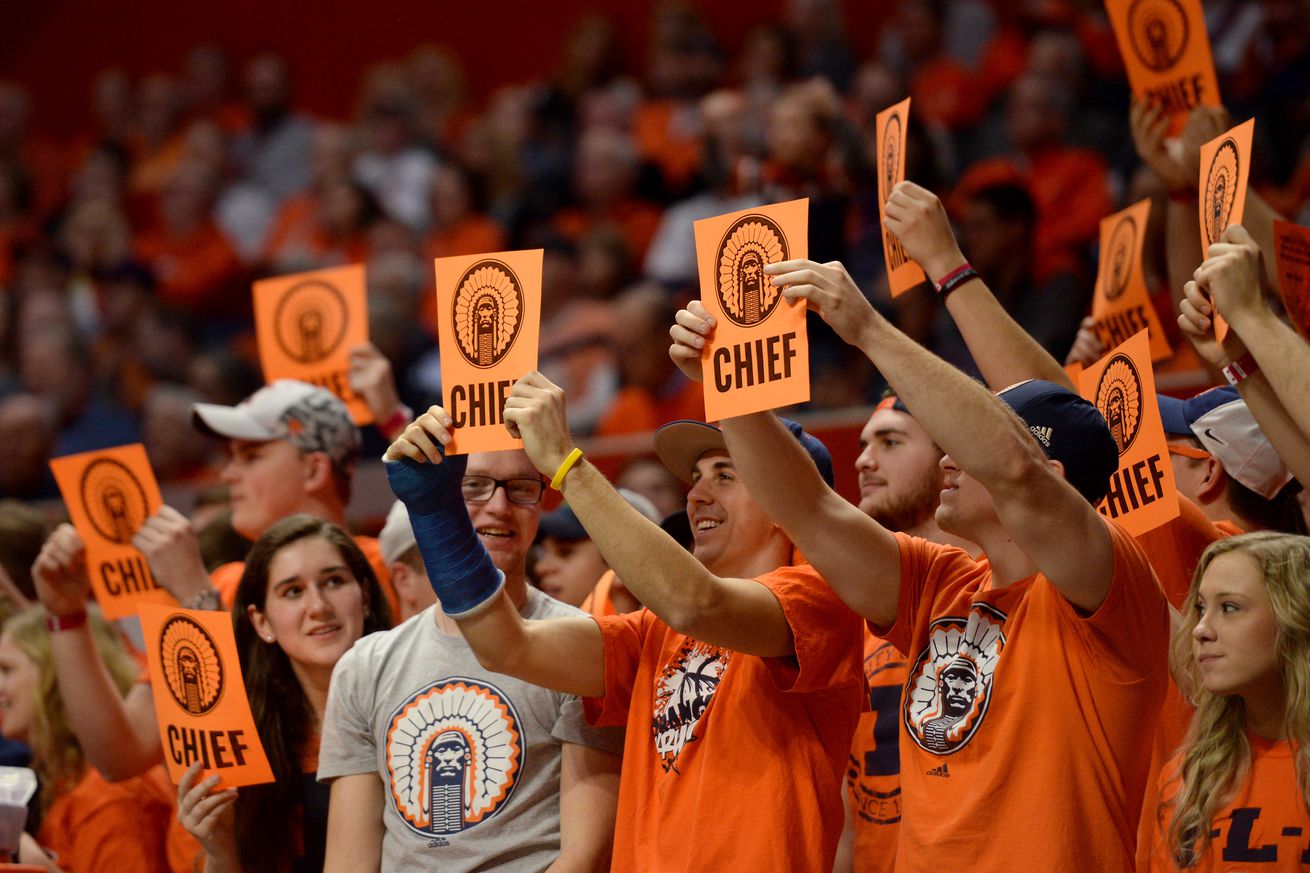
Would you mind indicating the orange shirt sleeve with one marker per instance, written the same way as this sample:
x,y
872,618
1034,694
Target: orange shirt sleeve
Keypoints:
x,y
824,629
624,637
99,827
226,578
924,567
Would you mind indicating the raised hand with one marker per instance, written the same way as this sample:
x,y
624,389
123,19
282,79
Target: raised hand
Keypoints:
x,y
918,219
208,815
370,377
828,290
168,541
693,327
1087,348
1232,274
421,470
1195,318
534,413
59,572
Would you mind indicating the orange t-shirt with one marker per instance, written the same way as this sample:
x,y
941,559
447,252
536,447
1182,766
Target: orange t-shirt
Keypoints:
x,y
227,577
119,826
598,602
634,220
1029,748
873,777
733,762
636,410
1265,828
196,272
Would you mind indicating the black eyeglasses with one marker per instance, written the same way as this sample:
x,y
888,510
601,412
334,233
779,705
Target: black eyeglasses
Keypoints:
x,y
524,491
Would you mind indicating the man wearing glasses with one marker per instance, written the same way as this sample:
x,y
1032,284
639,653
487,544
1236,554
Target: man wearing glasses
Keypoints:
x,y
436,762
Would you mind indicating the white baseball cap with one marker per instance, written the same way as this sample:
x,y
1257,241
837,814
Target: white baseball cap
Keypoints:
x,y
311,418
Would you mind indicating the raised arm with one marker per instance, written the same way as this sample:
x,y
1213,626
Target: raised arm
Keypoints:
x,y
119,736
588,803
168,540
1004,352
739,614
566,654
1059,531
355,826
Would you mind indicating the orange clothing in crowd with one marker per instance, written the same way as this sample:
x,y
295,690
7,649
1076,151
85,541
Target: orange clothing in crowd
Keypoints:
x,y
195,272
598,602
636,410
1026,727
873,777
471,235
667,134
733,762
297,240
119,826
946,91
1265,828
227,577
634,220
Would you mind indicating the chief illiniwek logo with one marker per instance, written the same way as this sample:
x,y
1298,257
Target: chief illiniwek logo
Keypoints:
x,y
1119,398
891,153
1220,190
310,321
1158,32
193,670
114,500
488,312
1118,267
745,292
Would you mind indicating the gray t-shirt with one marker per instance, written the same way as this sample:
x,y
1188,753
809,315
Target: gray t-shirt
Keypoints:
x,y
470,759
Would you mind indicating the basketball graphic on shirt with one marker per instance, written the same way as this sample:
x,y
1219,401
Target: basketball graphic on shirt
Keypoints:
x,y
1119,398
683,692
488,312
746,294
193,671
891,154
114,500
1158,32
310,321
1220,190
1118,266
454,754
950,687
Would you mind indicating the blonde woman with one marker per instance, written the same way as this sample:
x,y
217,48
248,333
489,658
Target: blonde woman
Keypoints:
x,y
86,824
1236,797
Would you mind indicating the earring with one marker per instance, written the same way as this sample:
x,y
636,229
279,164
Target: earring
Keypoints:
x,y
269,638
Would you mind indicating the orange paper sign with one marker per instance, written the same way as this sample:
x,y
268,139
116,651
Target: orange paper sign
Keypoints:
x,y
1167,52
1142,493
1121,305
1225,166
902,273
1292,252
109,495
760,356
306,325
490,309
200,697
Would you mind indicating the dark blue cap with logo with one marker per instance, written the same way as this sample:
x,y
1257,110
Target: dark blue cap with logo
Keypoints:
x,y
1070,430
680,444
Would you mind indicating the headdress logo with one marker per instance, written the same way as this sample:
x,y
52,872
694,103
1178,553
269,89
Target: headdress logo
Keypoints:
x,y
1119,398
1118,268
310,321
488,312
1220,189
950,687
1158,32
193,670
114,500
745,293
891,153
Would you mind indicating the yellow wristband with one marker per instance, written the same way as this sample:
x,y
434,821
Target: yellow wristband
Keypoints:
x,y
558,479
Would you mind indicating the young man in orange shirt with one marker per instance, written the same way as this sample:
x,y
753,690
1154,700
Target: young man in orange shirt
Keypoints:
x,y
739,683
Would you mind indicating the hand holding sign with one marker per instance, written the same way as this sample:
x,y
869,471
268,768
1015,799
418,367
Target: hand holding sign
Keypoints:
x,y
903,273
1121,305
59,572
208,814
1195,319
1167,53
828,290
1225,167
535,414
918,219
692,328
1231,274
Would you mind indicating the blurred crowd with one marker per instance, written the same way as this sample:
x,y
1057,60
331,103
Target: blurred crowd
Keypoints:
x,y
127,252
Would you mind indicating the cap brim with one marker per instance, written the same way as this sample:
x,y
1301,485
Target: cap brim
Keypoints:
x,y
561,525
229,422
680,444
1172,416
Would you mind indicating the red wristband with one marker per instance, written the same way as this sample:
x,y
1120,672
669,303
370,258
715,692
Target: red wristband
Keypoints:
x,y
1241,369
954,279
396,422
71,621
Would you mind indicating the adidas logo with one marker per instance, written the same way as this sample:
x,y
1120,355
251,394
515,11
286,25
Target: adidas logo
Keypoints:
x,y
1043,434
943,770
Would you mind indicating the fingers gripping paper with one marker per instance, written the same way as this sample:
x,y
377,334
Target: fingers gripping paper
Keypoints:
x,y
759,358
1142,493
1225,168
1167,53
490,309
200,697
305,326
109,495
902,272
1121,305
1292,254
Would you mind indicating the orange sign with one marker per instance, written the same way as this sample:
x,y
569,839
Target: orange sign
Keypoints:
x,y
200,697
1292,253
1167,52
760,356
1121,305
1142,493
902,272
109,494
490,309
1225,166
307,324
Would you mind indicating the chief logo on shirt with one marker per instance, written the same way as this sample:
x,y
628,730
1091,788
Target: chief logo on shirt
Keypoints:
x,y
1119,398
193,670
310,321
114,500
950,687
1220,189
746,294
488,312
454,755
1119,255
685,688
1158,32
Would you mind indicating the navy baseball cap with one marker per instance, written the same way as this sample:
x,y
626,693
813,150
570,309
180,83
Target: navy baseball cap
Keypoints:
x,y
563,524
1070,430
680,444
1178,416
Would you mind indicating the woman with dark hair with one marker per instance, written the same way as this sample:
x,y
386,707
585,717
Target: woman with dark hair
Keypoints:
x,y
307,594
1239,788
